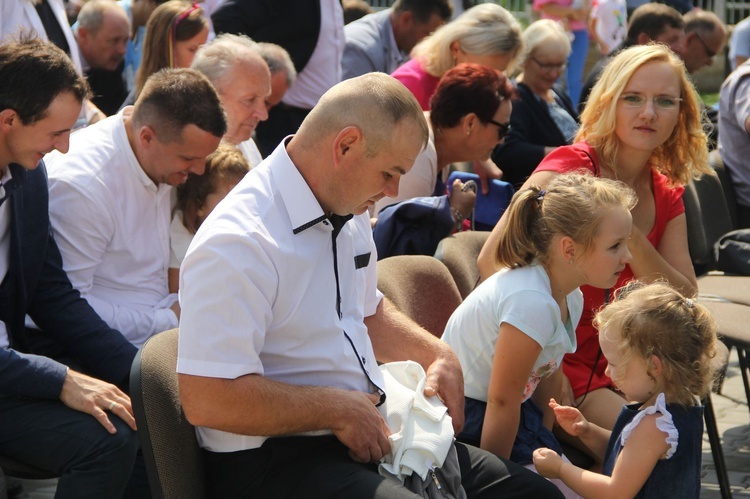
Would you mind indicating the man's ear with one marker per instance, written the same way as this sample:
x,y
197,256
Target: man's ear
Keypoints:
x,y
643,39
146,136
8,118
82,34
346,142
405,20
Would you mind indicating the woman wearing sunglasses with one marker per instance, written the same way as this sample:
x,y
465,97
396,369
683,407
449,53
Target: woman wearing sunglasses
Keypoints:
x,y
543,118
641,126
470,113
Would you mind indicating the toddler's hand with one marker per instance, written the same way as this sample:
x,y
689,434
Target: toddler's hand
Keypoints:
x,y
547,462
570,419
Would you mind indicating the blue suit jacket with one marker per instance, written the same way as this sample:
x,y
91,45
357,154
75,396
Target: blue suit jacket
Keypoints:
x,y
37,285
368,45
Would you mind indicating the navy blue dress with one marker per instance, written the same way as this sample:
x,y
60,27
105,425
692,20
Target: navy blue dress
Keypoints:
x,y
677,476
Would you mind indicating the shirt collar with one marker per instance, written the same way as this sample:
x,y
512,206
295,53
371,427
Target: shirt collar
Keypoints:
x,y
303,208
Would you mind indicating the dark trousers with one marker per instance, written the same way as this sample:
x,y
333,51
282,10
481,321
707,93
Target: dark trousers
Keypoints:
x,y
320,467
47,434
282,120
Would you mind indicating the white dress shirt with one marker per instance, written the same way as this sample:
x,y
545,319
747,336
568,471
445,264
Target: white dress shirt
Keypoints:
x,y
111,223
268,247
323,70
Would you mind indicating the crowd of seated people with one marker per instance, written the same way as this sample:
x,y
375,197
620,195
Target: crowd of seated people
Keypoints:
x,y
122,216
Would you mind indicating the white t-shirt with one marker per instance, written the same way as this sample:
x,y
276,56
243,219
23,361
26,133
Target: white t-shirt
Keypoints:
x,y
250,150
268,247
522,298
179,240
111,223
611,23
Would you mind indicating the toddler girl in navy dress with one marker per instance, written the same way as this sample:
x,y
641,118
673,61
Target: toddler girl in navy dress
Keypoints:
x,y
658,345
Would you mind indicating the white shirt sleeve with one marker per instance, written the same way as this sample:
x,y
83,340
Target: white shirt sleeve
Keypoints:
x,y
83,229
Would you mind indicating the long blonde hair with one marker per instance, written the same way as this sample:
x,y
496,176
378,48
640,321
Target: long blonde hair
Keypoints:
x,y
684,154
483,29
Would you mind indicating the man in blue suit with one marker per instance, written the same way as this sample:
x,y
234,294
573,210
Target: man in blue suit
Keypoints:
x,y
382,41
77,425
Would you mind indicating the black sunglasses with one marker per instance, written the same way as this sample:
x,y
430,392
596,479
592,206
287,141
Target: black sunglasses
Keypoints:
x,y
502,129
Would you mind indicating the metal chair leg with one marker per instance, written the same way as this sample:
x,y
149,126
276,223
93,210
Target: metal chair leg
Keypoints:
x,y
716,450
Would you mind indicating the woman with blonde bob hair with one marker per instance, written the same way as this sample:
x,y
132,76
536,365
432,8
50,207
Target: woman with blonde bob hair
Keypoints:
x,y
486,34
642,126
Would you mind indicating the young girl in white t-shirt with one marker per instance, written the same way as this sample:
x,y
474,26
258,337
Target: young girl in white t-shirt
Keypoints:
x,y
513,330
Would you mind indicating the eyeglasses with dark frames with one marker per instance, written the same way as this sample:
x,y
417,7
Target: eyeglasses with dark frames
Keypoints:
x,y
502,129
550,67
710,53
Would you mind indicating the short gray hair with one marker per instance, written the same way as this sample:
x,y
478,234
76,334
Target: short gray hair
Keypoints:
x,y
278,60
91,16
217,58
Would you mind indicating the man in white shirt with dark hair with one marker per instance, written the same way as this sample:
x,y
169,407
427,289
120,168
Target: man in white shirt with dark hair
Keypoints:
x,y
110,198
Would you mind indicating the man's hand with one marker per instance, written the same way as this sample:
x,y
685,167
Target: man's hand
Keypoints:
x,y
446,380
362,428
547,462
487,170
93,396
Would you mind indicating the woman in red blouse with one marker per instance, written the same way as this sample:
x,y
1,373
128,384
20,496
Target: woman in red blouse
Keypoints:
x,y
642,126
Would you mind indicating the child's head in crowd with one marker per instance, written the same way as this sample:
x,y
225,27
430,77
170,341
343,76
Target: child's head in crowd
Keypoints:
x,y
656,340
200,194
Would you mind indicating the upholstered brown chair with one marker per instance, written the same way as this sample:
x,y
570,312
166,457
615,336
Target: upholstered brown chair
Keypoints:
x,y
174,461
459,253
421,287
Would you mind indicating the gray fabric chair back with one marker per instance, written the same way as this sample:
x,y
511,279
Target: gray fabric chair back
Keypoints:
x,y
174,461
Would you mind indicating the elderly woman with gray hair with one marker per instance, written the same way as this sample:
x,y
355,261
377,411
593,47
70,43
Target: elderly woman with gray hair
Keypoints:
x,y
544,118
